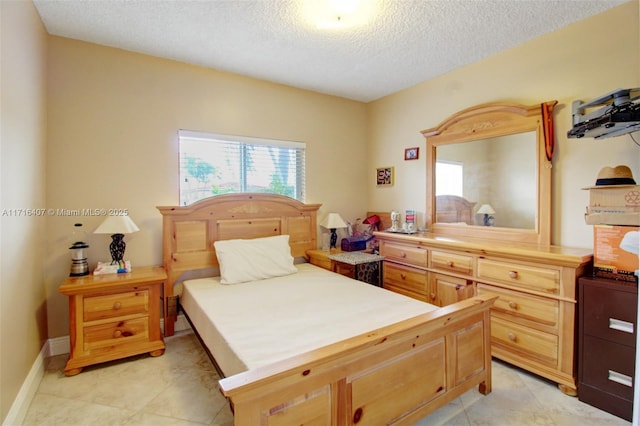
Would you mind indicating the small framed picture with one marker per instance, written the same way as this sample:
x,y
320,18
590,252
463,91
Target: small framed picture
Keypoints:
x,y
384,176
411,153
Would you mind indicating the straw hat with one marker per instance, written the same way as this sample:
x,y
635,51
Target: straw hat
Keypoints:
x,y
613,177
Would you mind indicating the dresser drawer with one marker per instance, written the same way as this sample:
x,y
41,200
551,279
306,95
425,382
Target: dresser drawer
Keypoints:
x,y
452,262
608,366
541,346
609,314
116,333
411,282
116,305
545,280
414,255
523,306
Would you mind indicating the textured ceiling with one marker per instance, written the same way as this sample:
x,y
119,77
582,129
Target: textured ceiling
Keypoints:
x,y
402,42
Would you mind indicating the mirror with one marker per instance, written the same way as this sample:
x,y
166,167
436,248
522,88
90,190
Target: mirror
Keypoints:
x,y
489,173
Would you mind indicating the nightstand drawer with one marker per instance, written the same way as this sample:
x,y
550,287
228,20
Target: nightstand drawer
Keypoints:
x,y
116,305
523,306
452,262
411,282
610,314
608,366
413,255
545,280
536,344
116,333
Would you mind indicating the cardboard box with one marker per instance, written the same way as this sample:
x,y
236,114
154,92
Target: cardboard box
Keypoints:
x,y
615,196
616,251
612,215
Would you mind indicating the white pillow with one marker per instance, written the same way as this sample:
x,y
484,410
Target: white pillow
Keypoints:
x,y
250,260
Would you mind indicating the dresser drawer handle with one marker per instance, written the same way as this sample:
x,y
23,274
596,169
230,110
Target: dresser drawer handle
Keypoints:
x,y
450,264
403,275
513,275
513,305
432,296
624,326
403,254
623,379
117,334
512,337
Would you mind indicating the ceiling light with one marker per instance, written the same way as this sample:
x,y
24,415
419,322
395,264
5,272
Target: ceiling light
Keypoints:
x,y
336,14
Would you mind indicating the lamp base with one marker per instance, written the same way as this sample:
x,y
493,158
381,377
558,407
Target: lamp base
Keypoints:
x,y
334,238
117,248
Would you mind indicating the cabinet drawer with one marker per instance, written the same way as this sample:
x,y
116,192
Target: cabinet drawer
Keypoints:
x,y
116,333
450,290
413,255
116,305
452,262
609,314
523,306
535,344
608,366
345,269
323,262
411,282
545,280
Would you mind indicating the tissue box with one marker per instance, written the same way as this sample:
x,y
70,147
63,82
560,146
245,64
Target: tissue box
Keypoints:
x,y
353,244
616,252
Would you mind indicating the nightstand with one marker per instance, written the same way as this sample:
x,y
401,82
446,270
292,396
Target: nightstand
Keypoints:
x,y
365,267
114,316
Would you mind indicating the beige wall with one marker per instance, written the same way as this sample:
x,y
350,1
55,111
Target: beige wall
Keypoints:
x,y
23,149
112,141
581,61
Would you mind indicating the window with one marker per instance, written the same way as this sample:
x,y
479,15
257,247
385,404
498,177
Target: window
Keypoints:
x,y
213,164
448,178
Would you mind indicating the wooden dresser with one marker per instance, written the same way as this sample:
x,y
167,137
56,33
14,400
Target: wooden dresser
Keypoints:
x,y
608,335
113,316
533,322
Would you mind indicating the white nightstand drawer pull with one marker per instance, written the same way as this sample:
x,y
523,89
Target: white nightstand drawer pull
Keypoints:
x,y
620,325
623,379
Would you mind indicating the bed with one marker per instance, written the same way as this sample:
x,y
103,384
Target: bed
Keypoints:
x,y
454,209
405,360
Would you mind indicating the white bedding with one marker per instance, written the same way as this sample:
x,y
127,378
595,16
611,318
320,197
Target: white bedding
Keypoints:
x,y
251,324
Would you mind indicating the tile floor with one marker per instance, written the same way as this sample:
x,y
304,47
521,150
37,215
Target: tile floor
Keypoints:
x,y
179,388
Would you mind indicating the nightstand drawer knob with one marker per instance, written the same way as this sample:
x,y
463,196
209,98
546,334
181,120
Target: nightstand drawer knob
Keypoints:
x,y
624,326
403,276
117,334
512,337
623,379
513,275
513,305
403,254
117,306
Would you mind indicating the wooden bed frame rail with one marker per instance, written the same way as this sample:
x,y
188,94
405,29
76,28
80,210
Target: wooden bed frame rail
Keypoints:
x,y
395,375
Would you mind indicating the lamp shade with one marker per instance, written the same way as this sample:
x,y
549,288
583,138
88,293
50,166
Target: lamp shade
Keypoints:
x,y
486,209
333,221
117,225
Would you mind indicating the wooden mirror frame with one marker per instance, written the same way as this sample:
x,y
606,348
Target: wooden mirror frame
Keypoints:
x,y
488,121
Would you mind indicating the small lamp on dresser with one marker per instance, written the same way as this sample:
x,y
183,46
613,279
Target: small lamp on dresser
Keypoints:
x,y
332,222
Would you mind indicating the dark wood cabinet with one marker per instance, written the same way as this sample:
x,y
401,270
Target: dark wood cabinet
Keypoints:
x,y
607,344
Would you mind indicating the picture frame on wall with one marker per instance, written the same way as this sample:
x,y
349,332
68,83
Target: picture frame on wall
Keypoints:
x,y
384,176
411,153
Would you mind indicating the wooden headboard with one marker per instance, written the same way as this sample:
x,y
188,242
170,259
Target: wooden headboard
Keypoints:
x,y
454,209
188,232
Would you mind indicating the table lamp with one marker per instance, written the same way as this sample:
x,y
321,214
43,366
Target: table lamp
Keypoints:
x,y
487,211
332,222
117,226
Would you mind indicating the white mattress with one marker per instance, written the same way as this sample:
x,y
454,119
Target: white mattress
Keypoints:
x,y
248,325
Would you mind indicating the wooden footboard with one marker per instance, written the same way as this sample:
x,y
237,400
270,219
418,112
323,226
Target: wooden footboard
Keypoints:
x,y
395,375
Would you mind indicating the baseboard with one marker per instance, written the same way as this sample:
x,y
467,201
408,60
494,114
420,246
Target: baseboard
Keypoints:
x,y
20,406
53,347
